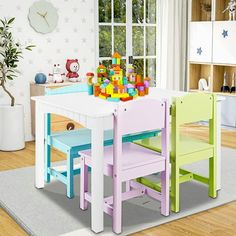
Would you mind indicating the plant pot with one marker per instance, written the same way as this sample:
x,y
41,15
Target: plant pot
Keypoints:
x,y
12,128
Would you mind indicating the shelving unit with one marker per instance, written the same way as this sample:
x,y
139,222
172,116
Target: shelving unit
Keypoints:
x,y
212,51
220,7
197,13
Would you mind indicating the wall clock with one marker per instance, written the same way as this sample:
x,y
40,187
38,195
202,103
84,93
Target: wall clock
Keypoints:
x,y
43,17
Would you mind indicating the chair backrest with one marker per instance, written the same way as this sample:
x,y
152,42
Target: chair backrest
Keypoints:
x,y
192,108
141,115
75,88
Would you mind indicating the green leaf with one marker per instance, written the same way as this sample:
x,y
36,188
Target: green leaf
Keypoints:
x,y
9,77
11,20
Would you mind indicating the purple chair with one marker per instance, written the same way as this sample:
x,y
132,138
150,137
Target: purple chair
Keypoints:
x,y
128,161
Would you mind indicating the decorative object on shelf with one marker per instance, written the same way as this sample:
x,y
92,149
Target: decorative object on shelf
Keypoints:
x,y
231,8
43,17
233,86
199,51
90,83
117,87
72,66
202,85
206,8
225,87
57,76
225,33
40,78
11,116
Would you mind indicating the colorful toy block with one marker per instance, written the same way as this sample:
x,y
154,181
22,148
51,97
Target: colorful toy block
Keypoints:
x,y
113,86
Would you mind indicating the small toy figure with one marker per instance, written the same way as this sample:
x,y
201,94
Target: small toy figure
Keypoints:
x,y
72,66
231,8
90,76
57,75
225,87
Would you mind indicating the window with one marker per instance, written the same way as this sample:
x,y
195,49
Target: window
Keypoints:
x,y
130,28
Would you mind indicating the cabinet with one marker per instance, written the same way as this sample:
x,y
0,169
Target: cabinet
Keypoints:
x,y
58,123
200,42
224,38
212,51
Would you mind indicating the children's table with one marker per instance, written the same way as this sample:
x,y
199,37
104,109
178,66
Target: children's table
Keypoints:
x,y
95,114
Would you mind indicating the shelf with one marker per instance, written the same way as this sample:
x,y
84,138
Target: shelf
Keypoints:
x,y
199,12
221,5
196,72
218,75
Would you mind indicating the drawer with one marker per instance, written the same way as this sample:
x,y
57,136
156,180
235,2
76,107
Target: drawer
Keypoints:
x,y
64,125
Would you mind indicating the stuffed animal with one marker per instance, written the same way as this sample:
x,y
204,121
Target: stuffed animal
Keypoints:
x,y
57,75
72,66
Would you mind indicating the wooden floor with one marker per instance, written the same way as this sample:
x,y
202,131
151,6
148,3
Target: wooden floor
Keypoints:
x,y
220,221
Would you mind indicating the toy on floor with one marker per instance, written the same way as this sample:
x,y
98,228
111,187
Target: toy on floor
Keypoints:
x,y
72,66
115,87
57,76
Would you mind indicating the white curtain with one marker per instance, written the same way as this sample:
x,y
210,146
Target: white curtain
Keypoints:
x,y
173,43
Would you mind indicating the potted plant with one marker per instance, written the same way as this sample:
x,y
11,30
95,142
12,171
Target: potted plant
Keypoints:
x,y
12,115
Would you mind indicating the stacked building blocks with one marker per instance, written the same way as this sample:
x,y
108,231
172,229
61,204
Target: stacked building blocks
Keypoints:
x,y
113,86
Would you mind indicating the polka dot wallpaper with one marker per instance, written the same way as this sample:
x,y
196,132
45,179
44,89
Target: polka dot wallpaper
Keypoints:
x,y
73,38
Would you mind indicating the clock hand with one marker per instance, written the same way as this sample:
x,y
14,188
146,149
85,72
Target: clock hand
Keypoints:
x,y
44,15
40,14
46,21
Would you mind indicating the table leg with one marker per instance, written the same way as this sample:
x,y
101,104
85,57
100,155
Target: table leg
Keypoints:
x,y
218,142
97,185
39,147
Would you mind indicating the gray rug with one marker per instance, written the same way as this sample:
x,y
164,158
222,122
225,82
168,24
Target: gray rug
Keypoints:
x,y
48,212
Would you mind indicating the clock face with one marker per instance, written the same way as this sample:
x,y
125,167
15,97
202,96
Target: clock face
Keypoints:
x,y
43,17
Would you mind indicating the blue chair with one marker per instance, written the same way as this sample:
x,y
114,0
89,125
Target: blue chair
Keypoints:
x,y
73,141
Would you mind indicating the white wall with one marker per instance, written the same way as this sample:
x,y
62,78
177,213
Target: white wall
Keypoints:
x,y
73,38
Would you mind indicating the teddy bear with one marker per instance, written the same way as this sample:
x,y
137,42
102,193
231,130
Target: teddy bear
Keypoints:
x,y
72,66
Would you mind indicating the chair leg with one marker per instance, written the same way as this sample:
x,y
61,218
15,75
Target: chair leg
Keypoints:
x,y
212,177
47,164
117,204
165,193
127,186
83,183
174,187
70,176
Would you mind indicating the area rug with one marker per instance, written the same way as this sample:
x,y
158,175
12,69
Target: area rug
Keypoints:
x,y
48,212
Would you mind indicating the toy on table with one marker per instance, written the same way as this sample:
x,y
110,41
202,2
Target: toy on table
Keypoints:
x,y
90,76
72,66
231,8
57,76
233,87
115,87
225,87
40,78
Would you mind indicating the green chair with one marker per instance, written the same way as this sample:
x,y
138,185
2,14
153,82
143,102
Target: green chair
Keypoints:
x,y
185,150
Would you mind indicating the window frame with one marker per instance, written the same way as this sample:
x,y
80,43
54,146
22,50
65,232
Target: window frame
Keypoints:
x,y
129,27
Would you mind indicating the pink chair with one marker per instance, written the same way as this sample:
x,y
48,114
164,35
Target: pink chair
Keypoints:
x,y
126,162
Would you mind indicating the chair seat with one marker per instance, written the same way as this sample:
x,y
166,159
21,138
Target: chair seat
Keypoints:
x,y
188,144
73,138
81,139
133,156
